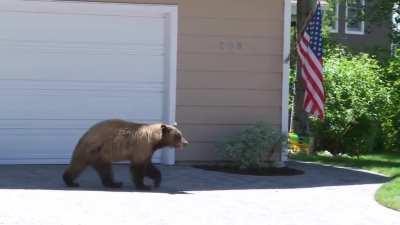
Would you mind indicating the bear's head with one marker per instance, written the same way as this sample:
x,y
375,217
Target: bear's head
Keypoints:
x,y
172,137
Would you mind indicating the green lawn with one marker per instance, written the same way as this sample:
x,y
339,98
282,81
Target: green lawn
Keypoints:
x,y
387,164
389,194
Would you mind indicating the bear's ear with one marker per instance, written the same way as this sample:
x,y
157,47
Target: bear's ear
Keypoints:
x,y
164,128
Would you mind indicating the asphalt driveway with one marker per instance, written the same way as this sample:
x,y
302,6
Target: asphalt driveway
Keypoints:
x,y
35,195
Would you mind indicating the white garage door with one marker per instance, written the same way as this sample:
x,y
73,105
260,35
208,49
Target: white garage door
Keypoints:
x,y
67,65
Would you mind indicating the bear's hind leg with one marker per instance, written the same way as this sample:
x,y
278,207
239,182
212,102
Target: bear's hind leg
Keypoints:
x,y
154,174
138,172
104,169
72,172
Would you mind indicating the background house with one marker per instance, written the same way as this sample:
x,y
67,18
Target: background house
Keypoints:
x,y
348,29
213,66
359,34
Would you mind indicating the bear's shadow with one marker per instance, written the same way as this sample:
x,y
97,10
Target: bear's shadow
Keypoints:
x,y
183,179
49,177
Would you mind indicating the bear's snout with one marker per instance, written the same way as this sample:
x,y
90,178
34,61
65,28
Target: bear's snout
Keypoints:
x,y
182,144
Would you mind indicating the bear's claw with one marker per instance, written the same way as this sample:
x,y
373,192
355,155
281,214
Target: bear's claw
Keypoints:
x,y
157,183
69,181
143,188
114,185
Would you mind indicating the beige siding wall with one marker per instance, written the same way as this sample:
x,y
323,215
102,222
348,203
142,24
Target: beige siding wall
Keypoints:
x,y
229,68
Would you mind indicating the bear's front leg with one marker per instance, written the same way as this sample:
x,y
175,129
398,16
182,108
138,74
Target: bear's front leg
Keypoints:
x,y
154,174
138,172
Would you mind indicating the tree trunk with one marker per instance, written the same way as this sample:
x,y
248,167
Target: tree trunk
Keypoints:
x,y
300,118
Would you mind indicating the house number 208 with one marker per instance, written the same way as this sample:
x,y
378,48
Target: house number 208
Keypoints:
x,y
230,45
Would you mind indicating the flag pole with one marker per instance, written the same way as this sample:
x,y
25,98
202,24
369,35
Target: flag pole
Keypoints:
x,y
299,32
307,20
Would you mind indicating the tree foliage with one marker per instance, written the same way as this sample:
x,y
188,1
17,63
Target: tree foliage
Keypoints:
x,y
391,121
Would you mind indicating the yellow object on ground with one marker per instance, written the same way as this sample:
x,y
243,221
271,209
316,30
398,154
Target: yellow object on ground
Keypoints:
x,y
299,144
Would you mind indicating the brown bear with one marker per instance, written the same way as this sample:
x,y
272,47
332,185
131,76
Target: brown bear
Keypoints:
x,y
117,140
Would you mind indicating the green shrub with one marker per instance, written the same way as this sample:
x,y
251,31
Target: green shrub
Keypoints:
x,y
394,117
391,119
252,147
356,99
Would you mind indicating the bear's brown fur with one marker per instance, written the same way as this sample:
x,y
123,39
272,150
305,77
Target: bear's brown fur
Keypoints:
x,y
117,140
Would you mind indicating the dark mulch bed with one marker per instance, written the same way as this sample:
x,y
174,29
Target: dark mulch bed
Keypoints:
x,y
284,171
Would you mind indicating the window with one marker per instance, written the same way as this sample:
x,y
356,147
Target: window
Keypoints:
x,y
354,22
334,18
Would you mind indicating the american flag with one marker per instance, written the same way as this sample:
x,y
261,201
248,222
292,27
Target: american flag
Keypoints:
x,y
309,49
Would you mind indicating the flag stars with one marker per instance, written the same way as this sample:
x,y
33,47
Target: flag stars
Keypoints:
x,y
313,29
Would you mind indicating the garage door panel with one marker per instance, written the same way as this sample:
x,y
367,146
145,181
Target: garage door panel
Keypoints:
x,y
81,67
25,45
37,125
40,85
46,143
99,107
42,145
73,27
